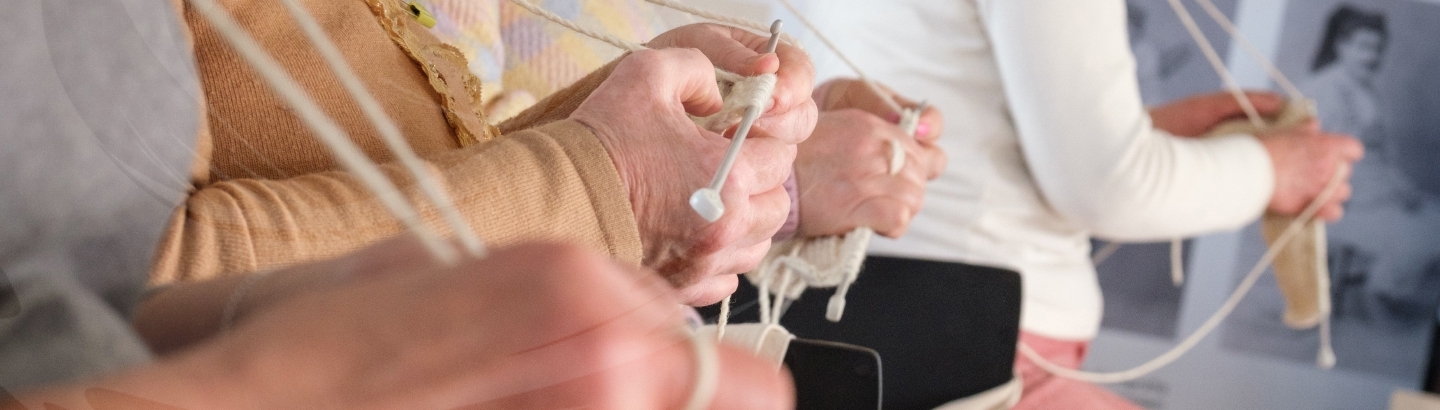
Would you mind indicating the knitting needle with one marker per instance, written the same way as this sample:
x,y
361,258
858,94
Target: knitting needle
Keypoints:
x,y
706,201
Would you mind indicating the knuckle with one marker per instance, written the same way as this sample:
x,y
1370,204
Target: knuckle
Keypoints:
x,y
645,58
938,163
723,234
852,117
911,192
889,214
896,220
644,64
872,122
751,259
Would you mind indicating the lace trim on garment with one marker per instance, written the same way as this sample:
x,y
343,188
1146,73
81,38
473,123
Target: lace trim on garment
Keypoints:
x,y
462,111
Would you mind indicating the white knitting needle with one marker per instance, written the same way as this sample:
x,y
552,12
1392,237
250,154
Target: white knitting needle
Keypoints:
x,y
706,201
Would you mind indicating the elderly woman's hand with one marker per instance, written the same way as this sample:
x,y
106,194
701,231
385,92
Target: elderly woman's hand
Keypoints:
x,y
1305,158
640,115
842,171
793,114
532,326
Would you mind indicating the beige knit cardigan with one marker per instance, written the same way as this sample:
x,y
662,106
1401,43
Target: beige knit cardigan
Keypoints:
x,y
267,194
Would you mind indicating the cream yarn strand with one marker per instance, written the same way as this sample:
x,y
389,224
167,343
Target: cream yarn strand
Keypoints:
x,y
1326,356
345,151
1215,319
389,132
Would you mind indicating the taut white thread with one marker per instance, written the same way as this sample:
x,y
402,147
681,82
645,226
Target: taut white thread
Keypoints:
x,y
736,21
753,99
724,317
1275,74
1177,258
777,306
1326,350
1214,321
612,40
1105,252
1217,63
707,372
232,305
432,189
542,12
1177,261
1325,358
884,96
345,151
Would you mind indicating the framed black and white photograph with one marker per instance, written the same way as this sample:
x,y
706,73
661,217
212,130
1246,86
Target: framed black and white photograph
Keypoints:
x,y
1373,71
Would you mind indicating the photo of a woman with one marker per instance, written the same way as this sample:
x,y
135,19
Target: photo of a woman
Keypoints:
x,y
1383,259
1343,73
1382,256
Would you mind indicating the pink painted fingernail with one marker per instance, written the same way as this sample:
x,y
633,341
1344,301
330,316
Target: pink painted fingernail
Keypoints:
x,y
922,129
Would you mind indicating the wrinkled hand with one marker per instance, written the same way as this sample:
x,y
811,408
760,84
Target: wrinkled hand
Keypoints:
x,y
639,115
792,116
1305,158
845,93
1194,116
842,171
531,326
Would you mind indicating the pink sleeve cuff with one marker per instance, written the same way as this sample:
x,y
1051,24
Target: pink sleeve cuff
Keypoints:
x,y
792,221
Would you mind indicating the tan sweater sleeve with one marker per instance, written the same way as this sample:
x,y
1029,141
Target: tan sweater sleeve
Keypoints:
x,y
554,182
562,103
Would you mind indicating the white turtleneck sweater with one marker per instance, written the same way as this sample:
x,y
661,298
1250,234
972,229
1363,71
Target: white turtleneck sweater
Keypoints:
x,y
1048,142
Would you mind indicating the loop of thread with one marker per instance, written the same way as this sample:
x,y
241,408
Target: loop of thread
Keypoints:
x,y
1325,358
884,96
735,21
795,265
1216,318
707,372
745,93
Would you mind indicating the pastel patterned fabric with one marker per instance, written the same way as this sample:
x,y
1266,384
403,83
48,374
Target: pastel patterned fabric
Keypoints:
x,y
520,57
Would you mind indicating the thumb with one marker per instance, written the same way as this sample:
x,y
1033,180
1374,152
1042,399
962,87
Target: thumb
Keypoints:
x,y
693,81
725,46
1349,148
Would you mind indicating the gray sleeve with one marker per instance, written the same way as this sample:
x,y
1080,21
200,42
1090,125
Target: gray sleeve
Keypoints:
x,y
62,331
99,112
